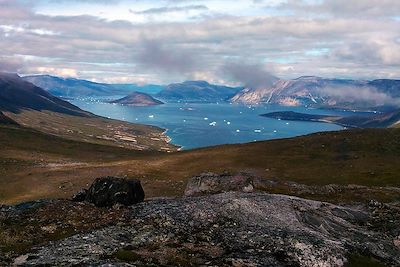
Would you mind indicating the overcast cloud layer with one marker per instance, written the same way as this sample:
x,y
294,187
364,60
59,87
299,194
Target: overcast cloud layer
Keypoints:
x,y
168,41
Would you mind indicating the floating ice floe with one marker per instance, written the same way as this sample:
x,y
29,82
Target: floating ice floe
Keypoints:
x,y
214,123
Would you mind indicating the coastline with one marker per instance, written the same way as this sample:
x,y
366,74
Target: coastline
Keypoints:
x,y
168,139
294,116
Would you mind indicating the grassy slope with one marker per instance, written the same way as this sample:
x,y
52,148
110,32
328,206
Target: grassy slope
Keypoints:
x,y
94,129
34,166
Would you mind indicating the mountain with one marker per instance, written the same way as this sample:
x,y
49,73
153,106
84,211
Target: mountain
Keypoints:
x,y
327,93
197,91
17,94
138,99
70,87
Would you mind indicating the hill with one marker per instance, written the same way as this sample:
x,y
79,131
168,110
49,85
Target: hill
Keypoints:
x,y
71,87
138,99
384,120
196,91
365,157
17,95
326,93
32,107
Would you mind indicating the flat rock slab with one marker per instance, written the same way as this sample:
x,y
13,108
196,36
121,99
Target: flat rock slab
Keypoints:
x,y
228,229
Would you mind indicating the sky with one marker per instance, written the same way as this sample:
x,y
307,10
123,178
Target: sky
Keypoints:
x,y
221,41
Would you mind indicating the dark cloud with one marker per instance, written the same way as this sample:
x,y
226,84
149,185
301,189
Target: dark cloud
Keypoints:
x,y
249,75
154,55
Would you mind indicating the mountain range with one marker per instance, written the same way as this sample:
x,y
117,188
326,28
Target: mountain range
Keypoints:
x,y
71,87
310,91
326,93
197,91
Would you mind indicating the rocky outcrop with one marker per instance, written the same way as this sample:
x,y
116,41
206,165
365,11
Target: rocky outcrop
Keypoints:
x,y
108,191
212,183
229,229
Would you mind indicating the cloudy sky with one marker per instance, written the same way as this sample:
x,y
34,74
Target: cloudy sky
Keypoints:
x,y
163,41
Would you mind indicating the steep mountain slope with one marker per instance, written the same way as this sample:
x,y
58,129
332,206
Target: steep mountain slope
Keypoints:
x,y
138,99
197,91
70,87
17,95
320,92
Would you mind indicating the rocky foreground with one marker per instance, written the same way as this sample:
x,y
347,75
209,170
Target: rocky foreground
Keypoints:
x,y
243,228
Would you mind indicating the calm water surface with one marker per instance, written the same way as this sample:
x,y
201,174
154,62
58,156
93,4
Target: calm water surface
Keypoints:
x,y
200,125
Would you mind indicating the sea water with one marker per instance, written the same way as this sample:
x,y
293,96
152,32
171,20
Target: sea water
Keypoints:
x,y
194,125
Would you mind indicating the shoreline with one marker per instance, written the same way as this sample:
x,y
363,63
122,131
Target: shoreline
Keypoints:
x,y
304,117
169,139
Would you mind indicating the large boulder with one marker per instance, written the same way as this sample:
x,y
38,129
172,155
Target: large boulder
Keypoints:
x,y
107,191
212,183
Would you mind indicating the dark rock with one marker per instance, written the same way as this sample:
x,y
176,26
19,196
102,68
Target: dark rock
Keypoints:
x,y
212,183
80,196
107,191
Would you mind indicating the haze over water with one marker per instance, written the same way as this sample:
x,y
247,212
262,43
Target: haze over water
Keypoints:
x,y
199,125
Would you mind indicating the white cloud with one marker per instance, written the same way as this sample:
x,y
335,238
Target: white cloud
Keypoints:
x,y
354,44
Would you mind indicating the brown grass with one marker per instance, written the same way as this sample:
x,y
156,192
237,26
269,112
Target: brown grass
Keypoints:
x,y
364,157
